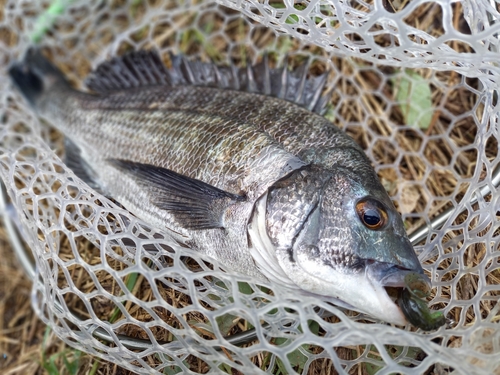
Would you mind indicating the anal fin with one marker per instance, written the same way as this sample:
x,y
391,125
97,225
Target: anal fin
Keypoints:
x,y
194,203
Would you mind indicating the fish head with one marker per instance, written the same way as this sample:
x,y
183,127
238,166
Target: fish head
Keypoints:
x,y
338,234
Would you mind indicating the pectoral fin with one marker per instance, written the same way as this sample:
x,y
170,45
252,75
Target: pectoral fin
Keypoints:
x,y
195,204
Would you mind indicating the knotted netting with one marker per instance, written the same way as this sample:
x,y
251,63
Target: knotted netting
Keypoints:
x,y
414,82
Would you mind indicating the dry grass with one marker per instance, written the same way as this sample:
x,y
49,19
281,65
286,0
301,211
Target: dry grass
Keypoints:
x,y
20,330
25,343
23,348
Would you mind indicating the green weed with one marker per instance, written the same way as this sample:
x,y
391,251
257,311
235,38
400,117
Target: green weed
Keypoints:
x,y
413,94
51,364
46,20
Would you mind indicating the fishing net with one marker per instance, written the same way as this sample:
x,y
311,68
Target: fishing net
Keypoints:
x,y
414,82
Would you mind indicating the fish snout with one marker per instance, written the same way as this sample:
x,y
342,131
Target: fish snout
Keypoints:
x,y
390,275
401,255
397,276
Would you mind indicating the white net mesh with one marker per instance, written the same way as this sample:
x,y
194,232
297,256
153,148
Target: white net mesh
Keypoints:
x,y
106,278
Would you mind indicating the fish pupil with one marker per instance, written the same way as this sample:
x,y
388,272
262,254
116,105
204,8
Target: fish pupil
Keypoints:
x,y
371,213
371,217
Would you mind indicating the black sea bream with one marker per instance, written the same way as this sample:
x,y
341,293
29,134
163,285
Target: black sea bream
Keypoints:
x,y
240,164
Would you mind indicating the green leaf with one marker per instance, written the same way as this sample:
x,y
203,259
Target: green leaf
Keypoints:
x,y
47,19
295,358
394,351
226,368
225,323
114,315
73,366
220,283
131,280
414,352
45,339
245,288
292,19
372,369
313,326
95,365
413,94
330,113
172,370
281,367
51,367
48,363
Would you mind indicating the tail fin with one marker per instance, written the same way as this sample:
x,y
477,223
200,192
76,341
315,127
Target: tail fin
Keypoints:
x,y
35,75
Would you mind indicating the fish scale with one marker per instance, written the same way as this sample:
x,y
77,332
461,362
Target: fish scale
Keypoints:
x,y
241,166
234,145
290,125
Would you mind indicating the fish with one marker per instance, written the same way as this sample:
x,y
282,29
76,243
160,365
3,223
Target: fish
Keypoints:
x,y
241,165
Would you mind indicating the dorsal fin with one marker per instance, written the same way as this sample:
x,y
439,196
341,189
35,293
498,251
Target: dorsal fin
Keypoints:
x,y
145,68
141,68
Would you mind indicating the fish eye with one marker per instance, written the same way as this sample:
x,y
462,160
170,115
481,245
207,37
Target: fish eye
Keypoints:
x,y
372,213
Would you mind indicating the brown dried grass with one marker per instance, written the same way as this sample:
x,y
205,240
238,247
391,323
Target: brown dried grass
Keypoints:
x,y
22,334
22,343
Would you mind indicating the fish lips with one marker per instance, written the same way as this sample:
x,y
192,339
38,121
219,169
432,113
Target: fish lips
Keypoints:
x,y
390,275
361,289
370,290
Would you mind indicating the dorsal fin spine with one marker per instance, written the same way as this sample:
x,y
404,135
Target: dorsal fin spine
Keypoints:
x,y
284,80
267,76
188,73
316,98
302,82
251,84
139,69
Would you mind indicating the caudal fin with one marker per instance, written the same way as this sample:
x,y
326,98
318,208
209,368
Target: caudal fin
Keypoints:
x,y
35,75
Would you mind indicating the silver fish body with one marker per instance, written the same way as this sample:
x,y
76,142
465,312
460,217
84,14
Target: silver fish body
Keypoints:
x,y
265,185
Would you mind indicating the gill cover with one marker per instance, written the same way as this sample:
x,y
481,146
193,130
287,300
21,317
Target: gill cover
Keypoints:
x,y
326,244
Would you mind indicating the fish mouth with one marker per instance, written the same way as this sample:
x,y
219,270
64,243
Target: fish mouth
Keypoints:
x,y
394,279
373,290
390,275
